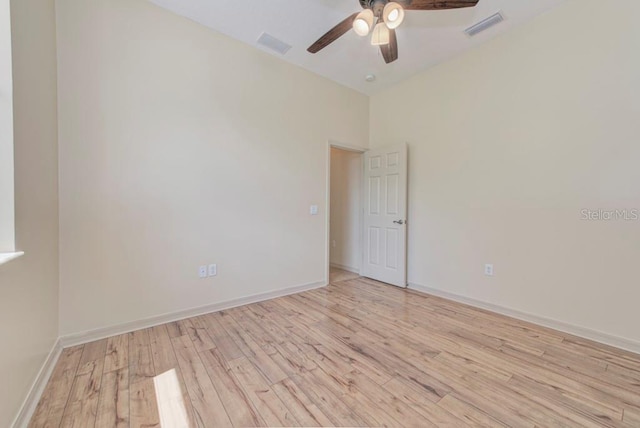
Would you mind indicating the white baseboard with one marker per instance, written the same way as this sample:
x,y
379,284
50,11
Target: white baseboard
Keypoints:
x,y
343,267
37,388
586,333
101,333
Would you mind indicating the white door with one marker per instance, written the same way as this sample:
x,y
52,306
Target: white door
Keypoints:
x,y
385,215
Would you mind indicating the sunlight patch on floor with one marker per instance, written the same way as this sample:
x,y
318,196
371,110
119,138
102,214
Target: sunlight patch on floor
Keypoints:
x,y
173,413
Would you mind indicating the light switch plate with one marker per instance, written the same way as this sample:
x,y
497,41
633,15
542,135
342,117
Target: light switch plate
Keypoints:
x,y
313,210
213,270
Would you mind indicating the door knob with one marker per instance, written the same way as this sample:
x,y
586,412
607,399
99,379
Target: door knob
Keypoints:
x,y
398,222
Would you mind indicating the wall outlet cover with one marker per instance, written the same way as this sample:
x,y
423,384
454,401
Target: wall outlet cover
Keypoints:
x,y
202,271
488,270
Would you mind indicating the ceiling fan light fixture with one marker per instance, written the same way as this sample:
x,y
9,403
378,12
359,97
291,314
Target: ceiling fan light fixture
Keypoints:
x,y
393,14
363,22
380,34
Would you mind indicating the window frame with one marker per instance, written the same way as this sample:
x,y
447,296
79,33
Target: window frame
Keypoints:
x,y
7,174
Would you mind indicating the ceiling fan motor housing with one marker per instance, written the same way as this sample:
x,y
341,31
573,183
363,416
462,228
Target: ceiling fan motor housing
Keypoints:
x,y
375,5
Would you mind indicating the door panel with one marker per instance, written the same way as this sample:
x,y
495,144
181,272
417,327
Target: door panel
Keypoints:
x,y
392,194
392,245
374,195
385,257
374,244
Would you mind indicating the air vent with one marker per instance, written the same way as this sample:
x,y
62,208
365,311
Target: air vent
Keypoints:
x,y
484,24
276,45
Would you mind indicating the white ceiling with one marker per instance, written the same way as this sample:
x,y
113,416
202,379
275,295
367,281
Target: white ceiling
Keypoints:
x,y
425,38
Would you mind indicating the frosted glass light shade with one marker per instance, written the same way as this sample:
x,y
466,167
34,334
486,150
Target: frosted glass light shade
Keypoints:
x,y
363,22
380,34
393,14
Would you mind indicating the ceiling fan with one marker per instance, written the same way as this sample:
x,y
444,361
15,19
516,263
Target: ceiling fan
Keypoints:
x,y
383,16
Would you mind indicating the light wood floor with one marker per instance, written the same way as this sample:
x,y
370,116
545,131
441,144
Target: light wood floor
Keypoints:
x,y
356,353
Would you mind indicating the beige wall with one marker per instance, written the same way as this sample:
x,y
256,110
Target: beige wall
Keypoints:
x,y
181,147
29,285
508,143
345,231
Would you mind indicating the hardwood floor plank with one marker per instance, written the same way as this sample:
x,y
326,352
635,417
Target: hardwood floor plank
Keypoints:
x,y
474,366
224,343
82,406
54,399
330,403
197,331
164,360
94,351
255,386
117,353
371,396
267,366
623,374
631,417
292,359
140,361
113,404
386,357
303,409
604,392
470,415
362,404
527,408
176,329
143,408
162,354
476,388
239,407
603,352
247,320
312,336
328,360
234,331
583,412
208,409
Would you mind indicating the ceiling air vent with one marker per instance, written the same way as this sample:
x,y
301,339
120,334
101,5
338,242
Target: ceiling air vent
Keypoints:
x,y
486,23
270,42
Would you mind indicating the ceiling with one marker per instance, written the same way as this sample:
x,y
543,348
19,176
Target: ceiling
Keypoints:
x,y
425,38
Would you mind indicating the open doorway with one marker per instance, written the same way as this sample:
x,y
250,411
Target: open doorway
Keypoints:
x,y
345,212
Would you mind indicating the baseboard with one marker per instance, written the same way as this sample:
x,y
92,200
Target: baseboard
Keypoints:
x,y
596,336
37,388
343,267
101,333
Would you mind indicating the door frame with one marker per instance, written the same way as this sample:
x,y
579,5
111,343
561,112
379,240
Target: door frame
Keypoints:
x,y
349,148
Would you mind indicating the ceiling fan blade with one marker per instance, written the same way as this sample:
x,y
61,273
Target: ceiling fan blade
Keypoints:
x,y
436,4
390,51
333,34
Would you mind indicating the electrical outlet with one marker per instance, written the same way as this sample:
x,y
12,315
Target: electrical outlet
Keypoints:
x,y
202,272
488,270
213,270
313,210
